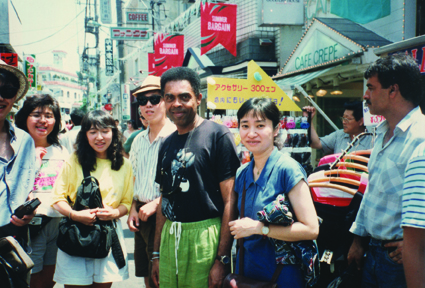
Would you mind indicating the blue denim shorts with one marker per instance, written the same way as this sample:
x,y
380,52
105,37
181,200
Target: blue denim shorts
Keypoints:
x,y
380,270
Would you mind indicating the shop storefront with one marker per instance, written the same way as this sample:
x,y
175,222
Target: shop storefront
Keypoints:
x,y
329,62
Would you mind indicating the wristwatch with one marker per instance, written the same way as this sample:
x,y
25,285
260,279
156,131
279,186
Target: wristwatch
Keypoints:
x,y
265,230
223,259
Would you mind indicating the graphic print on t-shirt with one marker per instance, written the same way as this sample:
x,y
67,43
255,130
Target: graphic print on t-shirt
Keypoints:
x,y
180,183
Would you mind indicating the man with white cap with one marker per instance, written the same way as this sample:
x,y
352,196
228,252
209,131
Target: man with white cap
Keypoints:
x,y
144,158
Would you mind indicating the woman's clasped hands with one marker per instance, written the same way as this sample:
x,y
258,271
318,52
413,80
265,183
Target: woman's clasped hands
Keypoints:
x,y
245,227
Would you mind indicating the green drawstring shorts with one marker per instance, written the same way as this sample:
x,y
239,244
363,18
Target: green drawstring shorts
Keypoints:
x,y
188,252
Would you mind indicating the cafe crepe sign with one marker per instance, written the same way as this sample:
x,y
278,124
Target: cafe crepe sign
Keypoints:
x,y
230,93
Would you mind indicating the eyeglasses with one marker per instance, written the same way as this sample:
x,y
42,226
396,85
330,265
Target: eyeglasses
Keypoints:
x,y
37,116
154,99
8,92
345,119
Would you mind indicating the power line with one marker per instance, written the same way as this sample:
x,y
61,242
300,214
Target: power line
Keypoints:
x,y
51,34
60,43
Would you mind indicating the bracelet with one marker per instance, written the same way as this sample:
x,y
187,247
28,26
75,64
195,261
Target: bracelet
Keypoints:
x,y
153,258
155,253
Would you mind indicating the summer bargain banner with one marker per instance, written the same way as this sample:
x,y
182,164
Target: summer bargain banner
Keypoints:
x,y
169,52
218,26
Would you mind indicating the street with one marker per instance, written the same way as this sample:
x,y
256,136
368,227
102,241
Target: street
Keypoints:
x,y
133,281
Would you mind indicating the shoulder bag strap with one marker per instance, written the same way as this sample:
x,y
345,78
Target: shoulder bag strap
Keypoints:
x,y
117,252
86,172
240,241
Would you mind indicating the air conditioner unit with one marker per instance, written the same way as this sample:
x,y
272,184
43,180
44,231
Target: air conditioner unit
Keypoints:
x,y
265,42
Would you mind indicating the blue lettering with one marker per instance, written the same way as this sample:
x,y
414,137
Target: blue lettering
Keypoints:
x,y
229,100
235,100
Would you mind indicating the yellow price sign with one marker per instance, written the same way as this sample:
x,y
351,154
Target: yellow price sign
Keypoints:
x,y
229,93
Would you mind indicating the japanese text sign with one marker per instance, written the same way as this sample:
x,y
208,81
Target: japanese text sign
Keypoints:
x,y
31,70
105,11
218,26
228,93
123,33
109,57
369,119
10,59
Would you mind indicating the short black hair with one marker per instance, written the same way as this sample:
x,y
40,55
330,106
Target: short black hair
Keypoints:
x,y
262,108
85,153
356,107
179,74
76,116
400,69
133,123
40,101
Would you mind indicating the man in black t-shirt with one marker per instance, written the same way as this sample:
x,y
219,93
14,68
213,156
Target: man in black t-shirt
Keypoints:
x,y
196,171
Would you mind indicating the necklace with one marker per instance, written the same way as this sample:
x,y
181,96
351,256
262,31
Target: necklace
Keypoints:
x,y
258,171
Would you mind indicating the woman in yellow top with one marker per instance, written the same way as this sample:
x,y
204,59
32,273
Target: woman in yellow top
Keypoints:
x,y
99,149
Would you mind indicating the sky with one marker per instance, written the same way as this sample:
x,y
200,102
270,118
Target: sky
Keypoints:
x,y
48,25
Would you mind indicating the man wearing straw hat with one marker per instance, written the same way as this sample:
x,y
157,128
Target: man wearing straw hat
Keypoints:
x,y
144,158
17,151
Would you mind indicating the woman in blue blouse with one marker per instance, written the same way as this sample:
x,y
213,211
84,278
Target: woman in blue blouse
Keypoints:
x,y
269,174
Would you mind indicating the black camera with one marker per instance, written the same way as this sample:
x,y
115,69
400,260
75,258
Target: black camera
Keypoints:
x,y
27,208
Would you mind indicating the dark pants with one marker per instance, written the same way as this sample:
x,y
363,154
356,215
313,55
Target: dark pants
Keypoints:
x,y
380,270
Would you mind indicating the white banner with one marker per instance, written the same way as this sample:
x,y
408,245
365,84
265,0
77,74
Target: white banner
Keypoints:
x,y
369,119
125,102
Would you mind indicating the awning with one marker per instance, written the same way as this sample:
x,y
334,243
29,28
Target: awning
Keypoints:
x,y
301,78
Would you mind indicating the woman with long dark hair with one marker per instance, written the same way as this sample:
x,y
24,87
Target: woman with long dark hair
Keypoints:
x,y
267,176
40,117
99,150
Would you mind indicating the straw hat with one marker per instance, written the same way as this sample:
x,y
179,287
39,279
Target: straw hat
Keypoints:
x,y
23,80
149,84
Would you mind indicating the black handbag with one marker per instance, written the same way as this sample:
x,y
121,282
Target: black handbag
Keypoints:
x,y
77,239
234,280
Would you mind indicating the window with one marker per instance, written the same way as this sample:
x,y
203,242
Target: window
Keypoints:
x,y
67,94
75,95
62,93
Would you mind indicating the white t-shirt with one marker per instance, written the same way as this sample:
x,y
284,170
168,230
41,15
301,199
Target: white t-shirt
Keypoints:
x,y
51,165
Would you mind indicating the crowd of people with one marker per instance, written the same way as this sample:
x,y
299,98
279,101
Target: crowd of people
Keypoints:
x,y
187,197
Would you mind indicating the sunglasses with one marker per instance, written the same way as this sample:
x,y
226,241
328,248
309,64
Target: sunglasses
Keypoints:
x,y
8,92
154,99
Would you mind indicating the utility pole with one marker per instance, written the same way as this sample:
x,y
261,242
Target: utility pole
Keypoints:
x,y
121,52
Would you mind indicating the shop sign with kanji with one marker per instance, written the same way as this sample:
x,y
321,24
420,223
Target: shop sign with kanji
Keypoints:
x,y
10,59
230,93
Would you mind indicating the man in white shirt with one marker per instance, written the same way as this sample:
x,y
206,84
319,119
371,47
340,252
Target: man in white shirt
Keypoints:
x,y
144,158
69,139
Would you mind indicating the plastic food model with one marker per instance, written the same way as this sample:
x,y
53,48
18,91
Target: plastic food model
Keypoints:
x,y
304,123
291,123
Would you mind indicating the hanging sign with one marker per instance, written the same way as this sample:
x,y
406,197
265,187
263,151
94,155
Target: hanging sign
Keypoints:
x,y
169,52
125,33
31,70
218,26
137,17
10,59
109,58
229,93
105,11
